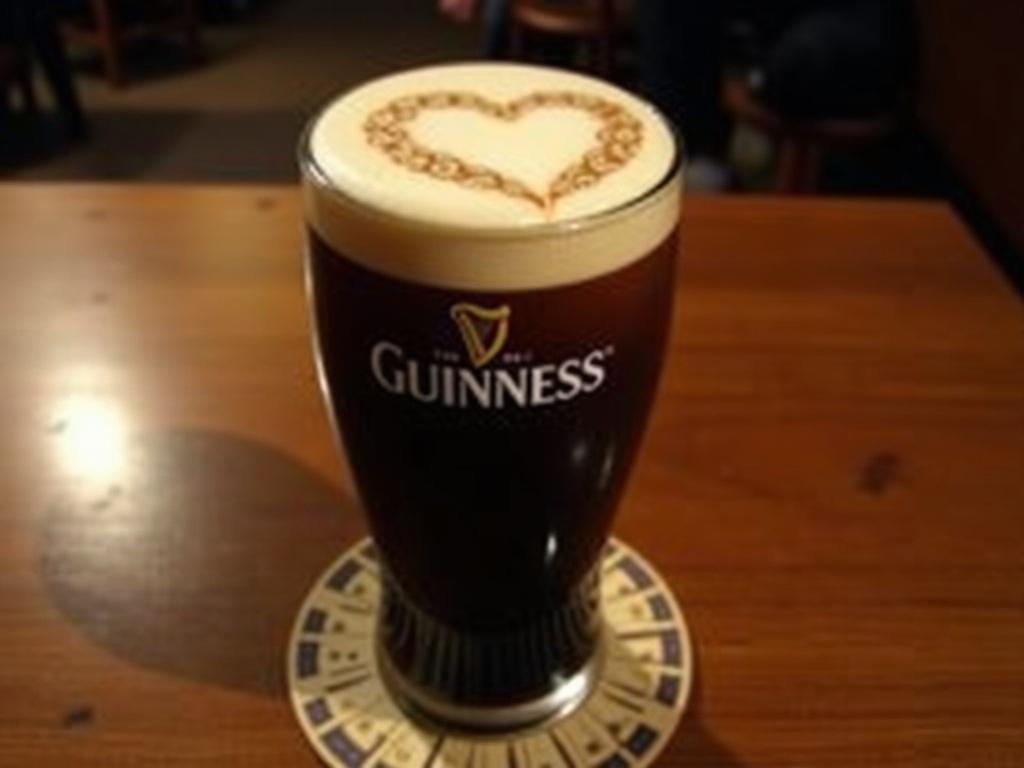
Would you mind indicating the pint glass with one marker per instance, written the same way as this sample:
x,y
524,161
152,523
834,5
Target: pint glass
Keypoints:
x,y
490,267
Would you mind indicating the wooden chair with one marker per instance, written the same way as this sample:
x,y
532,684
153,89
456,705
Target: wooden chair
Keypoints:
x,y
16,73
113,22
801,143
592,22
32,41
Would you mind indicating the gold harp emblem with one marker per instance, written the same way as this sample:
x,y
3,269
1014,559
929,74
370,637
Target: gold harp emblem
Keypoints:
x,y
484,331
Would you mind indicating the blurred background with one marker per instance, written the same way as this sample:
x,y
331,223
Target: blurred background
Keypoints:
x,y
906,98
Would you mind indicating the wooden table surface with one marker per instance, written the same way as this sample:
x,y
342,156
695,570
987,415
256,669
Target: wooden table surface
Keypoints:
x,y
833,482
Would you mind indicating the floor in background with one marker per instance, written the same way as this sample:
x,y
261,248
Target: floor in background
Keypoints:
x,y
238,116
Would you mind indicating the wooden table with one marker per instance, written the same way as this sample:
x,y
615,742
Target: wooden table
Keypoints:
x,y
833,482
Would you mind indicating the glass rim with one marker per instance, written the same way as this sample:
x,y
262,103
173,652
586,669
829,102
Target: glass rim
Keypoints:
x,y
314,174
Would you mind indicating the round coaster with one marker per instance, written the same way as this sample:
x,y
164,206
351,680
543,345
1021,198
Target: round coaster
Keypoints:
x,y
351,721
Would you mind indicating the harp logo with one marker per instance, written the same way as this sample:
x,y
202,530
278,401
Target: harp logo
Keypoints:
x,y
484,331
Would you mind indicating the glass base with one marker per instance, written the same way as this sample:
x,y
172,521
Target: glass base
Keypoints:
x,y
619,710
425,707
546,656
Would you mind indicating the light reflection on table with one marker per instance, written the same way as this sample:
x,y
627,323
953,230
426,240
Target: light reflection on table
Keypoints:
x,y
92,437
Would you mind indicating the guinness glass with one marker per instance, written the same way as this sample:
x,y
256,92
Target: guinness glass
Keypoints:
x,y
490,264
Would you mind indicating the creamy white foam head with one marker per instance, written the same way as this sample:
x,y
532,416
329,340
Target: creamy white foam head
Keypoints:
x,y
492,159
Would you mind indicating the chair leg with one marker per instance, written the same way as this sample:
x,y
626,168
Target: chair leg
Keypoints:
x,y
811,169
516,41
605,42
603,63
597,56
191,29
799,164
53,61
109,40
26,88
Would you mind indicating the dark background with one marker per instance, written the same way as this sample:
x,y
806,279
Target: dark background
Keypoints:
x,y
945,77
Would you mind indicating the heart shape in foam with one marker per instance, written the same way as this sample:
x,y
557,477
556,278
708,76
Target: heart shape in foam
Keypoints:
x,y
617,141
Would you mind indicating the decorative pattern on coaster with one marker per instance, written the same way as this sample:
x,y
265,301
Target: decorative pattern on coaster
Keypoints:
x,y
617,141
351,721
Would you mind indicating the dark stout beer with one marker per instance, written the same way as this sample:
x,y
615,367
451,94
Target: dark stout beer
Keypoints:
x,y
490,347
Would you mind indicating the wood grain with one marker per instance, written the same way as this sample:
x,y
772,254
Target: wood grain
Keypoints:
x,y
832,481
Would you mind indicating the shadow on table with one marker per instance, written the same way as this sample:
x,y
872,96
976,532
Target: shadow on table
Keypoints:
x,y
693,745
196,563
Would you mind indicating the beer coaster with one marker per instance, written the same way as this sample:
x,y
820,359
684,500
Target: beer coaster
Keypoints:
x,y
351,721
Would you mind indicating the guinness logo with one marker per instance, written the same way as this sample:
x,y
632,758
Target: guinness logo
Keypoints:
x,y
448,381
484,331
